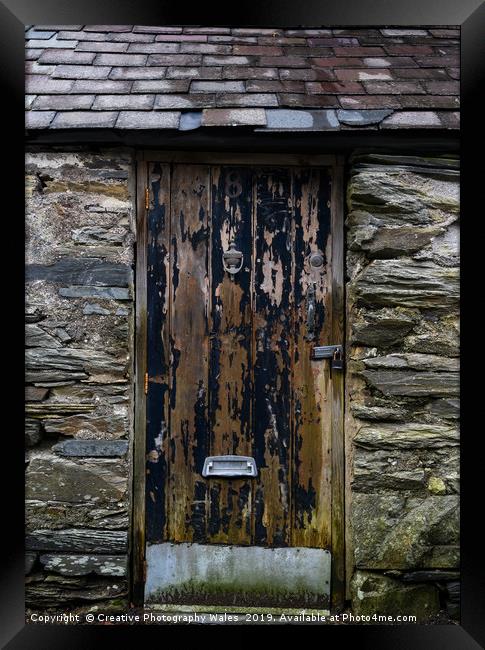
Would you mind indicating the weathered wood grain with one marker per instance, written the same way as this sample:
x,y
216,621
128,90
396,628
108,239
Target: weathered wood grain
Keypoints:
x,y
312,384
158,246
189,352
230,352
273,355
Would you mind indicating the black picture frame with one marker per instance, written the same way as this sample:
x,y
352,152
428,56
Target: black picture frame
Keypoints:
x,y
470,14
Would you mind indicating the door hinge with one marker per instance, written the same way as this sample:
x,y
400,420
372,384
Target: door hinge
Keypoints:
x,y
146,383
147,198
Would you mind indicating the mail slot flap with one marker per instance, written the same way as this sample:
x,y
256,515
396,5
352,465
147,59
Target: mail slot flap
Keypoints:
x,y
229,466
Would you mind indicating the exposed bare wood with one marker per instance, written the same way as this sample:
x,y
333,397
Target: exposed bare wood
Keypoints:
x,y
230,353
312,385
189,341
272,355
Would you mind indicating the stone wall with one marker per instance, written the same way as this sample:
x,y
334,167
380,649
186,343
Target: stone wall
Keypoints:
x,y
402,384
79,374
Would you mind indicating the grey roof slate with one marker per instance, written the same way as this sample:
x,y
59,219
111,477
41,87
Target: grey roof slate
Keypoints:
x,y
179,77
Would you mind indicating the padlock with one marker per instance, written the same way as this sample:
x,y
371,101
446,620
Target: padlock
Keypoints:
x,y
337,360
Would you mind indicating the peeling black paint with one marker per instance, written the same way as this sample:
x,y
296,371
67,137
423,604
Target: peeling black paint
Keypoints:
x,y
262,414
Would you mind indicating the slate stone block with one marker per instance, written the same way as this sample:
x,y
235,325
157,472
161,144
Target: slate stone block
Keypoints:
x,y
92,448
89,271
81,565
108,293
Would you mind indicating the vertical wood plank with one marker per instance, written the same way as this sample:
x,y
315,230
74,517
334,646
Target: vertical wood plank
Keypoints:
x,y
189,296
338,452
158,245
273,352
312,385
230,353
138,515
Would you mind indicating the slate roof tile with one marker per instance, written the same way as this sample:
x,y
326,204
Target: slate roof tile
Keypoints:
x,y
152,72
82,36
95,46
153,29
160,86
217,87
174,72
234,99
182,38
148,120
120,59
174,59
63,103
80,72
233,117
154,48
105,86
184,101
123,102
66,56
84,119
139,76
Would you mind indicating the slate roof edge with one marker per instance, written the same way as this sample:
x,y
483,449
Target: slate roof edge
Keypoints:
x,y
269,119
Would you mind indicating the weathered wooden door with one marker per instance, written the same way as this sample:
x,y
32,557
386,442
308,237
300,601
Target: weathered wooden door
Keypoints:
x,y
230,373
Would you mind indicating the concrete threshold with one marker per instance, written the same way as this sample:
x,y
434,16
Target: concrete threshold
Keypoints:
x,y
234,615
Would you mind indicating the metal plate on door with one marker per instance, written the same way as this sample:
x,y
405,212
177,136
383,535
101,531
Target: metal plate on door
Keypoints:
x,y
229,466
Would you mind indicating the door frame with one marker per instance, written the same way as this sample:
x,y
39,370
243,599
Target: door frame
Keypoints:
x,y
336,165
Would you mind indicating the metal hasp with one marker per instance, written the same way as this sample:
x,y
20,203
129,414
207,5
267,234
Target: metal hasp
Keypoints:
x,y
229,466
232,259
327,351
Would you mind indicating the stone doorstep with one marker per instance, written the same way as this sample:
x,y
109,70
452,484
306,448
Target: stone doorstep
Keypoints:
x,y
239,614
